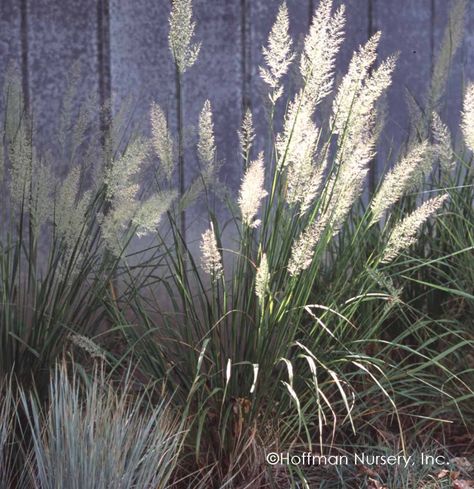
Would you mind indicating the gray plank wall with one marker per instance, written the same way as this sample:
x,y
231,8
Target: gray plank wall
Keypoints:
x,y
123,51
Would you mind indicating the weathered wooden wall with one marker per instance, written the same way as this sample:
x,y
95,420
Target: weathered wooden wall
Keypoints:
x,y
123,50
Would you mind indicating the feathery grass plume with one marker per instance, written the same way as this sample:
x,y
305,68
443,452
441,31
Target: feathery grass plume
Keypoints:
x,y
206,150
162,140
321,46
181,34
21,158
364,107
41,201
450,44
121,190
352,82
399,179
246,134
278,55
443,146
304,176
404,233
121,175
211,260
206,145
149,213
70,209
302,250
252,192
87,345
467,124
348,185
357,141
262,278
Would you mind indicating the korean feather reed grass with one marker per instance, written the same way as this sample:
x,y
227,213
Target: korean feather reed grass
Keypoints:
x,y
326,322
300,336
61,240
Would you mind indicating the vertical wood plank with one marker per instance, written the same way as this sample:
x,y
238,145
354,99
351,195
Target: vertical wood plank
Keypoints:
x,y
60,33
141,65
10,39
461,69
406,28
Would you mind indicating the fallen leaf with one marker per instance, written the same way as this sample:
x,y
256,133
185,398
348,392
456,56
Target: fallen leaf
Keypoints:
x,y
442,473
454,474
375,484
368,471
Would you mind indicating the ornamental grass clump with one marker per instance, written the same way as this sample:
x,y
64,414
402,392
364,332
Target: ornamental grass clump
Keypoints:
x,y
94,434
301,323
285,339
62,240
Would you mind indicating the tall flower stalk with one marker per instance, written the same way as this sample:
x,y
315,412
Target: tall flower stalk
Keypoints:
x,y
185,54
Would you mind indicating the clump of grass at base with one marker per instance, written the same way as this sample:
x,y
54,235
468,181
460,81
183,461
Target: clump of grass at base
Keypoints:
x,y
62,240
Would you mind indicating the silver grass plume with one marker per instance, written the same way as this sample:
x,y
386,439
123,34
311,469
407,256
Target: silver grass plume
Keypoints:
x,y
246,134
149,213
321,46
211,260
365,104
206,150
450,44
206,145
348,185
357,141
278,55
252,192
404,233
302,250
300,143
467,124
181,34
120,177
41,201
443,146
121,190
87,345
21,158
162,140
401,178
70,210
300,135
352,83
262,278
